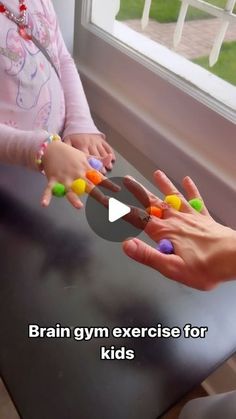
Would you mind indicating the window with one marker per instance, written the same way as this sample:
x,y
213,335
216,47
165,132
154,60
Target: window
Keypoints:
x,y
164,107
194,32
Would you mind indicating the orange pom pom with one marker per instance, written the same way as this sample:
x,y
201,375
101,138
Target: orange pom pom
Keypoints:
x,y
155,211
94,177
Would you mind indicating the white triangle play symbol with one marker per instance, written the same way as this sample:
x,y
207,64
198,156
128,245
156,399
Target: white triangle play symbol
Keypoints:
x,y
116,210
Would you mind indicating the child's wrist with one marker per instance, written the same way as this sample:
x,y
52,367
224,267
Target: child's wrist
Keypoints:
x,y
41,151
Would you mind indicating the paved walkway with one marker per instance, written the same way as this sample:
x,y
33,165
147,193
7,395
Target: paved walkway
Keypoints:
x,y
197,39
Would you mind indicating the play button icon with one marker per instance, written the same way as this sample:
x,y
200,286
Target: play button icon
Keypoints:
x,y
117,210
114,221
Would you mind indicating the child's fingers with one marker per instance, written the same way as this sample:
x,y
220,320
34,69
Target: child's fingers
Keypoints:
x,y
103,154
107,161
193,192
101,151
168,265
47,194
74,200
109,150
92,150
103,171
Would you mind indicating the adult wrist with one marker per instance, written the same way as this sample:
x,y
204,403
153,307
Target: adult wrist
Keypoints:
x,y
229,259
223,260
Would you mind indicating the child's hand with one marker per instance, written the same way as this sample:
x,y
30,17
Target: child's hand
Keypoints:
x,y
93,145
63,163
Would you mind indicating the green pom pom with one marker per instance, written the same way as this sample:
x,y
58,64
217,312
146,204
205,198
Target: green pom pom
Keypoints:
x,y
59,190
196,203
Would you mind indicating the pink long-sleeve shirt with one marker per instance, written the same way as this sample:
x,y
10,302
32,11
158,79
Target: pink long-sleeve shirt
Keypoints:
x,y
33,101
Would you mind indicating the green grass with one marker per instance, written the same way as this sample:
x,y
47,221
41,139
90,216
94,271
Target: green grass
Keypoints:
x,y
167,11
162,10
225,66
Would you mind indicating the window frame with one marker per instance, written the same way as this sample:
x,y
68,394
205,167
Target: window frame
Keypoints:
x,y
175,118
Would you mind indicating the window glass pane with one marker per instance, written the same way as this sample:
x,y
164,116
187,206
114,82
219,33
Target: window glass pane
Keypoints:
x,y
199,32
162,10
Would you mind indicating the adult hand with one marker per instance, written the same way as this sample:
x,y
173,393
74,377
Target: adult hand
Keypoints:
x,y
204,249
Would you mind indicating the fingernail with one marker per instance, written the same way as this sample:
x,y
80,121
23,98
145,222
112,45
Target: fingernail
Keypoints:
x,y
129,177
131,248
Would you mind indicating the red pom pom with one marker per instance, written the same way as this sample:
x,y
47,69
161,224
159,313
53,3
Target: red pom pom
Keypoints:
x,y
2,8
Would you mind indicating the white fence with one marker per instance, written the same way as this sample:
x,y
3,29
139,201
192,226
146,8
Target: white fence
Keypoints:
x,y
105,16
226,15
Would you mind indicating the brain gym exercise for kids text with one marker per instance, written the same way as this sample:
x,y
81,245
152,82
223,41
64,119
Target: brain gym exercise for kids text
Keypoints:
x,y
116,352
88,333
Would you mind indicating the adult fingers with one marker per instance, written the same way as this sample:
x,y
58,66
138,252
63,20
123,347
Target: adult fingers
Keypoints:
x,y
96,193
141,193
137,217
108,184
168,265
193,192
165,185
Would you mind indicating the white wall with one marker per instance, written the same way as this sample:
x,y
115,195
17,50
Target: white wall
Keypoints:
x,y
65,13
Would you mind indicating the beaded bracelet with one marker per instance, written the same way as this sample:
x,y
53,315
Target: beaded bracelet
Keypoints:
x,y
41,151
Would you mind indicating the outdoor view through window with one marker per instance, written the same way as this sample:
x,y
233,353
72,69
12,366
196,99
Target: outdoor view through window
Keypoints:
x,y
204,32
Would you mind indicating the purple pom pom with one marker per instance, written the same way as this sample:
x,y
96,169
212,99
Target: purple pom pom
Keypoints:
x,y
165,246
95,163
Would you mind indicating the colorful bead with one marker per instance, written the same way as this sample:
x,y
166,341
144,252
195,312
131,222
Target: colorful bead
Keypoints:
x,y
59,190
2,8
174,201
196,203
94,177
78,186
155,211
165,246
95,163
41,151
23,7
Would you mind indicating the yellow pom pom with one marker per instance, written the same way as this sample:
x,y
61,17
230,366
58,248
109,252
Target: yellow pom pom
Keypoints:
x,y
174,201
78,186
